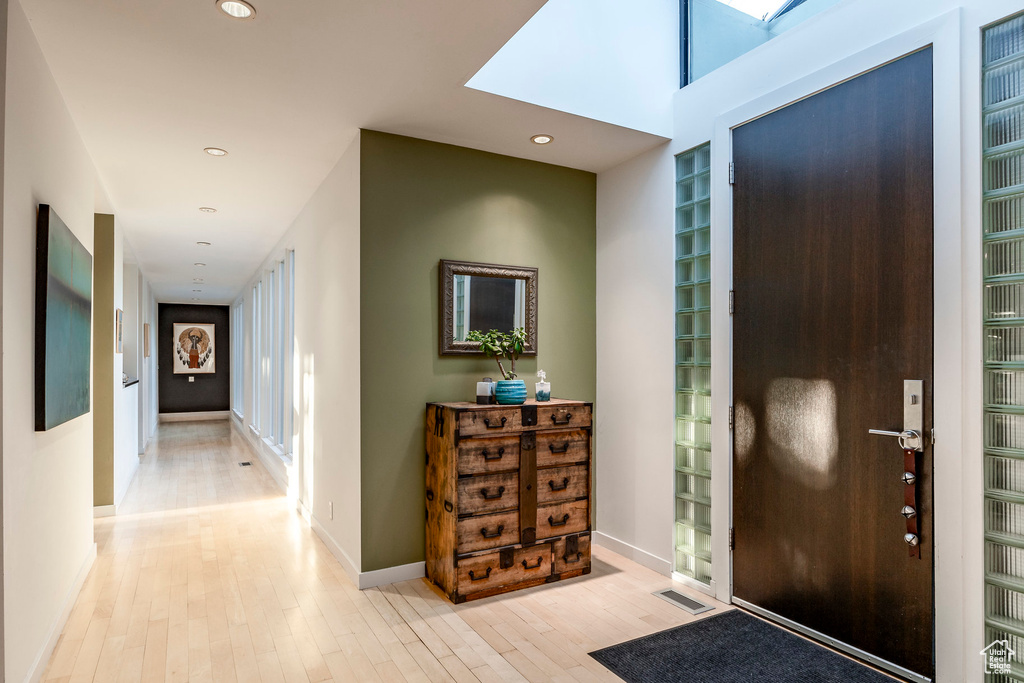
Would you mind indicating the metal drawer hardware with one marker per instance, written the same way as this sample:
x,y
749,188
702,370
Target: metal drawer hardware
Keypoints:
x,y
501,491
448,507
567,420
487,454
483,532
565,520
565,558
564,486
564,448
487,423
527,565
479,578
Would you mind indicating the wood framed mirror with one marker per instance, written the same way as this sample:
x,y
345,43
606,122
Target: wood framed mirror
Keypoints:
x,y
485,296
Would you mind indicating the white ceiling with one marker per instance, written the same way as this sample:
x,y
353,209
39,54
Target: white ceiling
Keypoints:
x,y
151,83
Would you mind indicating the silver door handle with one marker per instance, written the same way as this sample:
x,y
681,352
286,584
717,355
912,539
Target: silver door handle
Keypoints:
x,y
909,439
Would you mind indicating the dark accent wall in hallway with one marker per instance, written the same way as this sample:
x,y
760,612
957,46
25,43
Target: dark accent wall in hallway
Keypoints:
x,y
208,392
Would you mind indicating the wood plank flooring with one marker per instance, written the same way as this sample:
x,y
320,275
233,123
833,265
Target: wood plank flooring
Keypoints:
x,y
208,574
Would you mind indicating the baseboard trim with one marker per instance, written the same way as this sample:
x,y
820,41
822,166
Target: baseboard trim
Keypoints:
x,y
371,579
195,417
104,511
641,557
43,658
382,577
339,553
274,465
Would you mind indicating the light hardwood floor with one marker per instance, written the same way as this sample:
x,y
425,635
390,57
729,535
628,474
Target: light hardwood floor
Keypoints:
x,y
208,574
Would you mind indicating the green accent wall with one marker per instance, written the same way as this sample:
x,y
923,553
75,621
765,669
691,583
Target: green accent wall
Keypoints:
x,y
103,361
423,201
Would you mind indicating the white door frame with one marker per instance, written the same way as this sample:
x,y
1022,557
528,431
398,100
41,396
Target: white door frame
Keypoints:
x,y
958,330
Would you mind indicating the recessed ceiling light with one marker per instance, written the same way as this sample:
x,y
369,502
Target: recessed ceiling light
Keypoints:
x,y
237,9
198,264
207,209
203,244
216,151
541,139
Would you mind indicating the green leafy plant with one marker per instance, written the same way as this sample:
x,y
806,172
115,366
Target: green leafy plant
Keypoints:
x,y
498,345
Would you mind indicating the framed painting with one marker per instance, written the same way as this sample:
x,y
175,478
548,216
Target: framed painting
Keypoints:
x,y
63,322
119,331
195,351
145,340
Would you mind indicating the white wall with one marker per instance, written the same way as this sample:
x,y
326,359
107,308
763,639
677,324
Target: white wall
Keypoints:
x,y
126,417
47,477
603,59
635,251
325,462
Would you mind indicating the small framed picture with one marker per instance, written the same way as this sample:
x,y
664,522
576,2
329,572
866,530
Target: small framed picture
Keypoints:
x,y
119,330
145,340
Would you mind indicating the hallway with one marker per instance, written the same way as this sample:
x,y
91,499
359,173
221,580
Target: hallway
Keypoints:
x,y
208,574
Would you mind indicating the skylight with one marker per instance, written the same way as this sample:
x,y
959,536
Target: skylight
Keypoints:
x,y
759,9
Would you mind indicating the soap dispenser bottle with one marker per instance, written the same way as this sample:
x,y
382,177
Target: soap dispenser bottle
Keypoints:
x,y
543,387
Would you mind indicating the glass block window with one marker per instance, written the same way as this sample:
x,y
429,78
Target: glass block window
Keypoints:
x,y
1003,270
693,364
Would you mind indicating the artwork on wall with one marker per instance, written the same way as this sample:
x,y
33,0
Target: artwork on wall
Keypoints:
x,y
119,331
145,340
63,322
194,350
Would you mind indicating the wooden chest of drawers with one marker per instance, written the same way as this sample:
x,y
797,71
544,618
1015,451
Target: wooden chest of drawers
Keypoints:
x,y
508,495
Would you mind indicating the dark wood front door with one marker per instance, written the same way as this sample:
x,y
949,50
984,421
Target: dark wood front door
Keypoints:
x,y
833,311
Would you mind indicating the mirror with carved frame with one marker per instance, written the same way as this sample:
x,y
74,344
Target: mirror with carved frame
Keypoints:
x,y
484,296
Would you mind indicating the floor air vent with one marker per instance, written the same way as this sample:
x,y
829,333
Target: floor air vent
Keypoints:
x,y
245,464
686,602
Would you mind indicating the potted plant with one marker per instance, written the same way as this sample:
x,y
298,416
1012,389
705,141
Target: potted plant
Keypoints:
x,y
508,345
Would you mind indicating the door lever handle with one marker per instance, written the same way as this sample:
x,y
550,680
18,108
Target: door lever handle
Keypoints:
x,y
909,439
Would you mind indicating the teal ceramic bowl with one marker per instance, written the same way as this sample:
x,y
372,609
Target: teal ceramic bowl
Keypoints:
x,y
510,392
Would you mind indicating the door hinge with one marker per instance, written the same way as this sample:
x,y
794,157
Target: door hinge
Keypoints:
x,y
732,302
732,539
732,416
732,173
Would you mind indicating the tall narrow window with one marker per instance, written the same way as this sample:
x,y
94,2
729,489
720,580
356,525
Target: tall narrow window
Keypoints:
x,y
1003,270
289,346
257,354
693,364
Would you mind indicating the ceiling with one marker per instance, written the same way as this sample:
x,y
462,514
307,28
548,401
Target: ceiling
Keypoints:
x,y
150,84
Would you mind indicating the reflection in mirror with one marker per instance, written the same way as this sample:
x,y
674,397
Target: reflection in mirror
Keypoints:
x,y
488,303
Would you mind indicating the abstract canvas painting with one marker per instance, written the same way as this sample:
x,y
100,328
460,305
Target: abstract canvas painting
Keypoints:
x,y
145,340
194,350
63,322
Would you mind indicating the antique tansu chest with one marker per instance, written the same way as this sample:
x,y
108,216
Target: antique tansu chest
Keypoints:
x,y
508,495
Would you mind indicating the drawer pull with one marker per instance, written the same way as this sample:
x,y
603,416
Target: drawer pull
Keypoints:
x,y
567,420
564,486
566,557
448,507
499,494
483,532
487,423
527,565
487,454
480,578
565,520
564,448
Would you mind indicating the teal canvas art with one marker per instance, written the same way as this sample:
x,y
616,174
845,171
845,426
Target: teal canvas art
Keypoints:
x,y
63,322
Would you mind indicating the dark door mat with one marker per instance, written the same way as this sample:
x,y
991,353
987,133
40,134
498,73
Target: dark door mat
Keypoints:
x,y
732,647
